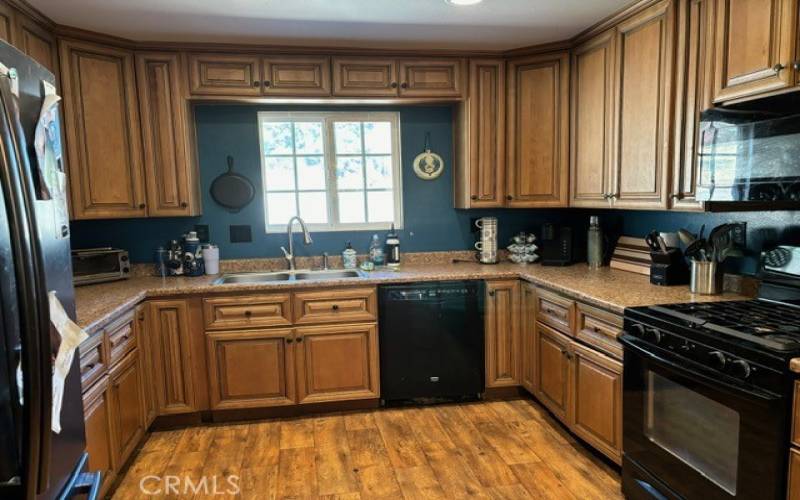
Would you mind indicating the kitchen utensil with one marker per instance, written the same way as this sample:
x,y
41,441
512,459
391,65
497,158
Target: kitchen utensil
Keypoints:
x,y
706,278
717,239
696,249
652,241
231,190
662,245
686,237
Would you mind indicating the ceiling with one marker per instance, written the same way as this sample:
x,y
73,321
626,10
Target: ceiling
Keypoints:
x,y
491,25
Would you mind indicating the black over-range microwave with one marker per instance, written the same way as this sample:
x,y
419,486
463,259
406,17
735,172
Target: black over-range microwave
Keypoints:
x,y
750,158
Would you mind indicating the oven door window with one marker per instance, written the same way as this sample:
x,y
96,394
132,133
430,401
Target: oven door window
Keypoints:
x,y
699,431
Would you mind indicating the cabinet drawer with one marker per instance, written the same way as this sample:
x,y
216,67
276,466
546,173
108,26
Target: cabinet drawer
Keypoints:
x,y
224,74
121,337
334,306
555,311
359,76
251,311
430,77
93,362
299,76
599,329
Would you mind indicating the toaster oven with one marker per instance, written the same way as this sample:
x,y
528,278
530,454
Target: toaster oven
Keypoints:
x,y
98,265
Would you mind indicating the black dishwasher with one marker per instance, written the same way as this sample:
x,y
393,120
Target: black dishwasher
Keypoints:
x,y
431,341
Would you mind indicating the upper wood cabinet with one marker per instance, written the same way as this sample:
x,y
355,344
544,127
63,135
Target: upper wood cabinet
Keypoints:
x,y
297,76
103,132
502,333
172,356
380,77
642,120
225,74
755,47
171,177
481,137
7,15
592,123
538,131
36,41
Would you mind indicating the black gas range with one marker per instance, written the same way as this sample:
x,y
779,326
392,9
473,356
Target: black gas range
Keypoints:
x,y
707,394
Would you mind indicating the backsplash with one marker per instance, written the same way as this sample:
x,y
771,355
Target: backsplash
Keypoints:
x,y
431,222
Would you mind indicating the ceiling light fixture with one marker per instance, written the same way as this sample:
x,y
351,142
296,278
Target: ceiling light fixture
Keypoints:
x,y
462,3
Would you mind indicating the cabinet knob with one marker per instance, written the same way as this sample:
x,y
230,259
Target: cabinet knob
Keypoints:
x,y
288,340
299,339
184,204
676,196
796,65
474,197
778,67
141,206
267,83
394,85
491,293
404,85
335,307
248,313
256,83
509,197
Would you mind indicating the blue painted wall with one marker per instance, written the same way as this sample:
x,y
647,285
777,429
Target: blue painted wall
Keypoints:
x,y
431,223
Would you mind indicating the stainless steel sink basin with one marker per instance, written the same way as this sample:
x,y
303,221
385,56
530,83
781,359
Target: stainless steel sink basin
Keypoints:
x,y
285,276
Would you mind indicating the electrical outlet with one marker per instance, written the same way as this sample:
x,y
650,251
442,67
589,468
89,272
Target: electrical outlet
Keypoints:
x,y
739,234
241,234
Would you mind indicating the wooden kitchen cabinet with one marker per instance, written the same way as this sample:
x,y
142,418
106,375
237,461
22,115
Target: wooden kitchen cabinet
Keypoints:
x,y
7,15
337,362
37,42
172,356
642,123
552,370
103,135
481,139
297,76
364,76
141,325
387,77
425,77
100,440
793,492
502,333
592,121
595,400
127,405
251,368
171,176
754,48
538,131
528,337
224,74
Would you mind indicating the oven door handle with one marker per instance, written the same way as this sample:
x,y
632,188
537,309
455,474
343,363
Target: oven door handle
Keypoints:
x,y
630,343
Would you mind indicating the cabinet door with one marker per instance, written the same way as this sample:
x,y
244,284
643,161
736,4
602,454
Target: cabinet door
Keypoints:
x,y
527,330
551,370
297,76
596,410
172,358
480,178
172,188
431,77
360,76
642,123
337,362
592,109
502,333
794,474
755,47
144,342
692,95
100,444
128,405
7,15
224,74
103,133
250,369
37,42
538,131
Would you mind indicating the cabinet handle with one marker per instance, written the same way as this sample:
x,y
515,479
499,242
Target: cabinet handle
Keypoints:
x,y
778,67
676,196
404,85
614,196
606,196
267,83
394,85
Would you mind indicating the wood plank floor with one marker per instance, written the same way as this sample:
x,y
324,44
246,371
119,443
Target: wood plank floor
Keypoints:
x,y
496,449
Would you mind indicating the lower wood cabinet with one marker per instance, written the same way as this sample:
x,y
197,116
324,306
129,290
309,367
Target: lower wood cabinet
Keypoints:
x,y
100,443
127,405
527,334
251,368
502,333
337,362
552,373
172,356
140,324
794,475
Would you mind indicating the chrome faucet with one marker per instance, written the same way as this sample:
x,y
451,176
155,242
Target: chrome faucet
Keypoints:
x,y
306,240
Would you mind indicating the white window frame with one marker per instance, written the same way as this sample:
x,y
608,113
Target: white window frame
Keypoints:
x,y
329,154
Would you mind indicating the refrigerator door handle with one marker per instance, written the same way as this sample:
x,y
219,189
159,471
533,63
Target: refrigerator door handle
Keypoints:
x,y
32,290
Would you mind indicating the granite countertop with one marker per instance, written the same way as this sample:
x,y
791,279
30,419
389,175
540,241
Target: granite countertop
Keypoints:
x,y
607,288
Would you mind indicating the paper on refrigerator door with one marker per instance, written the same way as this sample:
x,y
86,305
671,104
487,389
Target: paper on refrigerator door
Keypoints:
x,y
71,336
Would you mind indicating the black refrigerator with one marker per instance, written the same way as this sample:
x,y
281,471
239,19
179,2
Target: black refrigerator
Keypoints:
x,y
36,462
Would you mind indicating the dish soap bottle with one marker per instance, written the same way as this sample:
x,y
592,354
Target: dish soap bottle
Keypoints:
x,y
376,254
349,260
392,248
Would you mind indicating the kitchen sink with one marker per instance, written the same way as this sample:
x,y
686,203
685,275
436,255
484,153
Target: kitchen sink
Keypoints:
x,y
286,276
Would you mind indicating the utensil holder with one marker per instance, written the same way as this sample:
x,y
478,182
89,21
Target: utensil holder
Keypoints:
x,y
707,278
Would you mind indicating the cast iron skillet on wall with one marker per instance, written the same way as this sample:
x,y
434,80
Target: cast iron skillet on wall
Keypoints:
x,y
231,190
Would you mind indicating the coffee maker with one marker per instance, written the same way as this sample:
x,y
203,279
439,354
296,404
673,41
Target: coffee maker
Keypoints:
x,y
561,245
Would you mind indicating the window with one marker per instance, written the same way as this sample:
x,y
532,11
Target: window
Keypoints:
x,y
336,170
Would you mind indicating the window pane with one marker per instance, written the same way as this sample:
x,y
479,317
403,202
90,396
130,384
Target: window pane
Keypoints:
x,y
351,207
349,172
314,207
280,208
277,138
348,137
308,138
378,137
279,173
311,172
379,172
381,206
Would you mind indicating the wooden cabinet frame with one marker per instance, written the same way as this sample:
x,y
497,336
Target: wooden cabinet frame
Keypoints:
x,y
172,356
502,333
